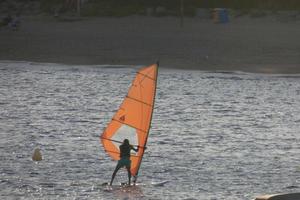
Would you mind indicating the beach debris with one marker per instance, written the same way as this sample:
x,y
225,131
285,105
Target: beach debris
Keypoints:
x,y
37,156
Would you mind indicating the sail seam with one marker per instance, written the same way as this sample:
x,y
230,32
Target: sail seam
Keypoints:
x,y
146,76
129,125
139,101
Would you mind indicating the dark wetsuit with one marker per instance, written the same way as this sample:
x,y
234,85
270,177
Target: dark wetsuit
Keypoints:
x,y
125,155
125,150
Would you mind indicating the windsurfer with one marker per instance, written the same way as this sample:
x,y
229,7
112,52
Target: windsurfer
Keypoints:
x,y
124,161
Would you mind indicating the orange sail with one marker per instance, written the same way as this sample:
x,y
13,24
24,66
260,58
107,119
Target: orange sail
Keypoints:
x,y
133,119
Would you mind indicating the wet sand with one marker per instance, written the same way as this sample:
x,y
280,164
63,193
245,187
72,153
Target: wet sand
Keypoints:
x,y
263,45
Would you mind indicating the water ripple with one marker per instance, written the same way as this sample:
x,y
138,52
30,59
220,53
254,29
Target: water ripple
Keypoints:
x,y
214,135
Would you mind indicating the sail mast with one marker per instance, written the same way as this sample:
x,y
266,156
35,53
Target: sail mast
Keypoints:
x,y
153,101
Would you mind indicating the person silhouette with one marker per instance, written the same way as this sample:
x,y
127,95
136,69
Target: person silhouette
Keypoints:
x,y
124,161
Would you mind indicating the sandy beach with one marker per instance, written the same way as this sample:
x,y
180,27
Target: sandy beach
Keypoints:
x,y
263,45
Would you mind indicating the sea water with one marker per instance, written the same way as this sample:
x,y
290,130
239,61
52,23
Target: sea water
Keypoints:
x,y
214,135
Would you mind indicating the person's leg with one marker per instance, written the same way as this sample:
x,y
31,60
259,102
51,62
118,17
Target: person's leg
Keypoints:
x,y
134,180
129,174
114,174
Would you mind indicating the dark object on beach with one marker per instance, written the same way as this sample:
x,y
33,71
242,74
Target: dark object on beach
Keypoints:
x,y
15,23
6,20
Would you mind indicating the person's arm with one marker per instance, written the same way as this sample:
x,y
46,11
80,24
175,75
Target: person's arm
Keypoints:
x,y
136,150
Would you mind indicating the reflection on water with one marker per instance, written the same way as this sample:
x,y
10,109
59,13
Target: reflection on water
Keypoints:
x,y
213,136
125,192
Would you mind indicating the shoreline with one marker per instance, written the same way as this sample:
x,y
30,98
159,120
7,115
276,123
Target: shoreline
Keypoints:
x,y
261,45
117,66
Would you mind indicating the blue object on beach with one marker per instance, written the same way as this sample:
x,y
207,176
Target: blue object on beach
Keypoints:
x,y
223,15
220,15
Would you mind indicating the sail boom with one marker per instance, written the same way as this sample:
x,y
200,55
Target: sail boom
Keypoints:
x,y
121,142
115,152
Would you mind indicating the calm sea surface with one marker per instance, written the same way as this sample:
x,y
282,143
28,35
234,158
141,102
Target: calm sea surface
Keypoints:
x,y
214,135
